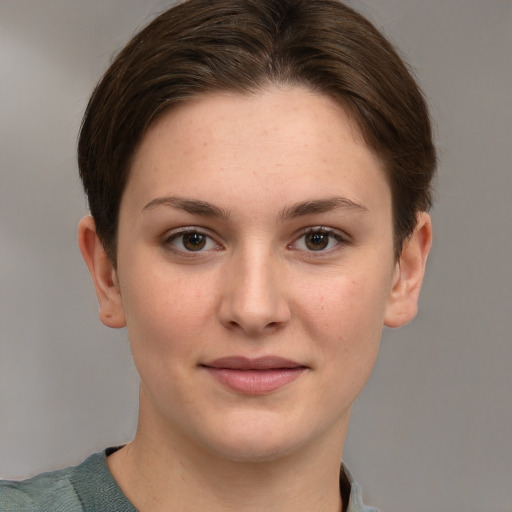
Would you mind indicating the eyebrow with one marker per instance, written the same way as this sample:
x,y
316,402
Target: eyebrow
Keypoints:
x,y
192,206
301,209
317,206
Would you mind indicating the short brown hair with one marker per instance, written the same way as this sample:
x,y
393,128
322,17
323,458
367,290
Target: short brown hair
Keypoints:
x,y
200,46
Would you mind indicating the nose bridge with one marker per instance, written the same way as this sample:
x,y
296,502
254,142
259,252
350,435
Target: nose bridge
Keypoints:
x,y
254,298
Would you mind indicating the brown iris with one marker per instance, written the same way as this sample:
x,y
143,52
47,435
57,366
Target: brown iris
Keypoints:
x,y
317,241
194,241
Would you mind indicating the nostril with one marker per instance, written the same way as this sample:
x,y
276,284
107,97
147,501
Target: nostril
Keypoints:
x,y
254,327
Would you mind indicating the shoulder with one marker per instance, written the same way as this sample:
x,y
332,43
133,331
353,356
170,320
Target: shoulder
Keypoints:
x,y
353,492
48,491
88,487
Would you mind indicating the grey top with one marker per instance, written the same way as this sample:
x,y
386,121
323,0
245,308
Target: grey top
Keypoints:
x,y
90,487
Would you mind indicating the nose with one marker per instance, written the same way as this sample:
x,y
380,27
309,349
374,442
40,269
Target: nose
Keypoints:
x,y
253,295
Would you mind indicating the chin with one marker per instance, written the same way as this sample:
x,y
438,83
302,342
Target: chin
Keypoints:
x,y
253,450
257,441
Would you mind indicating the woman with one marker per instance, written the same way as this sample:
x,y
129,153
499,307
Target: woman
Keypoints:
x,y
258,174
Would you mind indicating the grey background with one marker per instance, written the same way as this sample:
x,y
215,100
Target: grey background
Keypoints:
x,y
432,430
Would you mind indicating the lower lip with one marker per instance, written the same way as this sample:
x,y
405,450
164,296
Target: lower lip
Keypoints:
x,y
256,382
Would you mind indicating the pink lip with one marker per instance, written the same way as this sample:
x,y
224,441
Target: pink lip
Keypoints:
x,y
254,376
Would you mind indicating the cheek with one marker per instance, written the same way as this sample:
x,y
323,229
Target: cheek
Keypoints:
x,y
346,317
346,302
166,312
167,318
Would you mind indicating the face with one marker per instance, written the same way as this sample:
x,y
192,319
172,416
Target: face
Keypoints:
x,y
255,272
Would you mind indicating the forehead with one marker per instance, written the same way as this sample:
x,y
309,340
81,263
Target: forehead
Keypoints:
x,y
289,136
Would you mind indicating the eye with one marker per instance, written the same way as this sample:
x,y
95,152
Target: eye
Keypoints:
x,y
191,240
318,239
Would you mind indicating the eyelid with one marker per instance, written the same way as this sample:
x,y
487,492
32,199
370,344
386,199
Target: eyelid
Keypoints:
x,y
186,229
325,229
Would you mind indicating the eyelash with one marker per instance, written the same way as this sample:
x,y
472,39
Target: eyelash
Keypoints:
x,y
340,241
168,242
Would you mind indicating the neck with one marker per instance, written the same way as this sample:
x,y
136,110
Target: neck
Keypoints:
x,y
163,472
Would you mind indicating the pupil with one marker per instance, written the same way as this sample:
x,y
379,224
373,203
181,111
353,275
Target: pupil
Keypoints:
x,y
194,241
317,241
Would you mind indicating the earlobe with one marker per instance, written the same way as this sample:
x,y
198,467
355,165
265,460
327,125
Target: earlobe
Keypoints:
x,y
103,274
409,272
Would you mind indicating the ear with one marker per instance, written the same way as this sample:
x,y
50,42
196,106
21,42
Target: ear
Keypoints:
x,y
103,274
408,274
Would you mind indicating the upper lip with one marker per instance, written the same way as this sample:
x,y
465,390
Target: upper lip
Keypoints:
x,y
259,363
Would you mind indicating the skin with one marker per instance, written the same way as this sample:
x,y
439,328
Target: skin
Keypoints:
x,y
278,170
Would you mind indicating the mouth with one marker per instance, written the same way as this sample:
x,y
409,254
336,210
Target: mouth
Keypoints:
x,y
254,376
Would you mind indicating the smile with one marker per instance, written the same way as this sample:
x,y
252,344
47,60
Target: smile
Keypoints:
x,y
254,376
